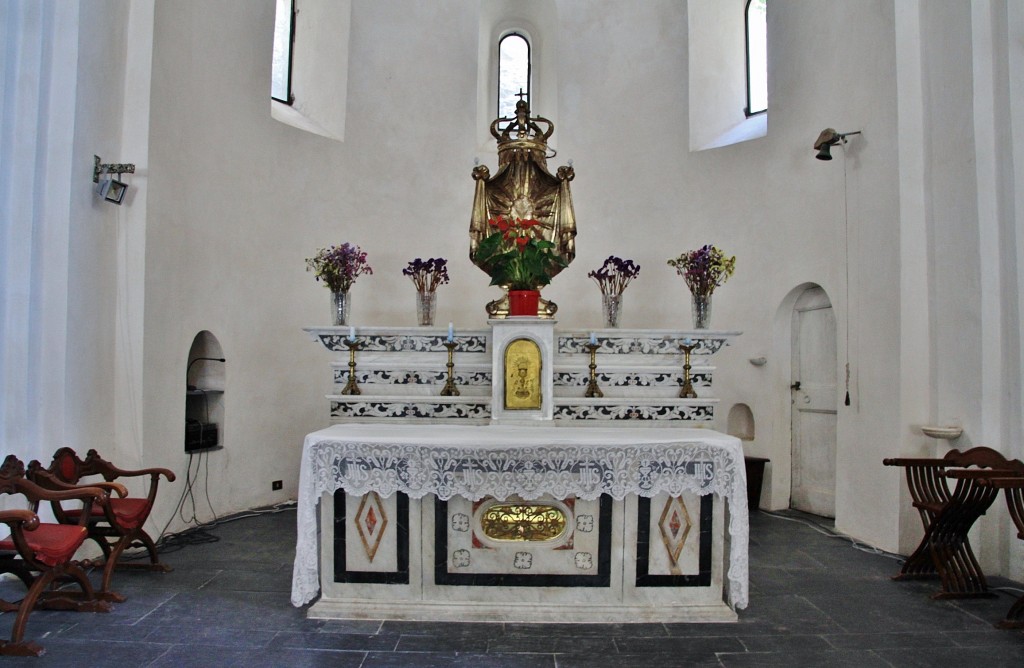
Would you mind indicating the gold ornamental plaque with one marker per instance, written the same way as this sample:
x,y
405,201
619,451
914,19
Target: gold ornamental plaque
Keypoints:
x,y
523,522
522,375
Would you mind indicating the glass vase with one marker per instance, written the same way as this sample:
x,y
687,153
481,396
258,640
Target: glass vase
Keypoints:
x,y
426,305
341,305
701,311
611,307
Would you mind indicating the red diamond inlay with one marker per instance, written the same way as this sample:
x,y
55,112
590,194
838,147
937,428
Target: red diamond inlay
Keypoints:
x,y
675,523
371,520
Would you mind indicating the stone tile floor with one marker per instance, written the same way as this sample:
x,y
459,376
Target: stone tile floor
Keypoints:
x,y
815,601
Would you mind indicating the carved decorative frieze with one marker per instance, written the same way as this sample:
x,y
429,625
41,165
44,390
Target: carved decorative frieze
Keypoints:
x,y
633,411
644,345
629,379
404,409
404,343
413,377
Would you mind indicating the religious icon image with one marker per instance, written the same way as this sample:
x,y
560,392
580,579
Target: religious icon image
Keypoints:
x,y
522,375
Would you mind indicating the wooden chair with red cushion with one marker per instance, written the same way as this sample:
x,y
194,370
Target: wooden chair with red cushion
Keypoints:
x,y
114,525
41,555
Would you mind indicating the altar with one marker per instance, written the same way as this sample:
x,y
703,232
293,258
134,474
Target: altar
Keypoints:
x,y
517,472
521,523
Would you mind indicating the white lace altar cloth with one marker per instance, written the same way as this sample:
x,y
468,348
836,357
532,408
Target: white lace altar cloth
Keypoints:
x,y
475,461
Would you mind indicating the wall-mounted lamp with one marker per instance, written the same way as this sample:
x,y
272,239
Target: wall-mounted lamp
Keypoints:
x,y
827,139
111,189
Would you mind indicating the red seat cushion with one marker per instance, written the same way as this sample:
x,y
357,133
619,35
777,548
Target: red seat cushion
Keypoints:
x,y
129,512
51,544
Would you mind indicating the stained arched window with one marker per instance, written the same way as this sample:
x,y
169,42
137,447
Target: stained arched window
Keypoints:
x,y
513,72
757,56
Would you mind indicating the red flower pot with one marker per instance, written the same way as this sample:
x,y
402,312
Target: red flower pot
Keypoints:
x,y
523,302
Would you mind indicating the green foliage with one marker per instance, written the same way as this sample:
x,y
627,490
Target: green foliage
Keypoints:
x,y
515,257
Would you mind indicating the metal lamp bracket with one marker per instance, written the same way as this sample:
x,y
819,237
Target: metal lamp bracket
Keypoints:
x,y
118,168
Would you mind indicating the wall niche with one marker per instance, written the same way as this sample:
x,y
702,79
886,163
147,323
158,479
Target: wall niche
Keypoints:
x,y
204,394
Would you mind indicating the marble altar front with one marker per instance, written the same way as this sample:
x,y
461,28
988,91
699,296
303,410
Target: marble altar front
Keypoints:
x,y
638,524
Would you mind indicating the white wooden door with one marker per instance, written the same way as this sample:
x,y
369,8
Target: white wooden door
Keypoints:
x,y
814,404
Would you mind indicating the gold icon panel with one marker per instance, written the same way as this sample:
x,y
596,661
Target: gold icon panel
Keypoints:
x,y
522,375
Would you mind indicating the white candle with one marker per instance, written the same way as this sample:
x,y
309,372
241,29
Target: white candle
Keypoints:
x,y
351,333
593,339
451,332
688,341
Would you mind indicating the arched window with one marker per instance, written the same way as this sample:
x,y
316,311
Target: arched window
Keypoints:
x,y
757,56
513,72
284,36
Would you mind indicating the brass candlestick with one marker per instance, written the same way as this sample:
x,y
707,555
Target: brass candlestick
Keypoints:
x,y
592,389
351,387
449,389
686,392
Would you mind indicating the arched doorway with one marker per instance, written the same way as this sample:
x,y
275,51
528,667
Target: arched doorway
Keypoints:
x,y
813,389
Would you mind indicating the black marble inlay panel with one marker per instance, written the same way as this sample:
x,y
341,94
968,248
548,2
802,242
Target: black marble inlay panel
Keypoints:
x,y
643,548
443,576
341,574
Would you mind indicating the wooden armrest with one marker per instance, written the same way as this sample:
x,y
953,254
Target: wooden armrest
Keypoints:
x,y
915,461
109,487
155,472
26,518
1007,482
110,471
36,493
982,474
55,483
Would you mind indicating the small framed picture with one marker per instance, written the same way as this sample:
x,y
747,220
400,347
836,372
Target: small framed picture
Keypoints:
x,y
115,193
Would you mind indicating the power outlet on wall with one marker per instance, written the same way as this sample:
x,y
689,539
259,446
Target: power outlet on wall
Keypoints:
x,y
276,485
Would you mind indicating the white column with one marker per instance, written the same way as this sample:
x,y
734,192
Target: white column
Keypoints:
x,y
39,70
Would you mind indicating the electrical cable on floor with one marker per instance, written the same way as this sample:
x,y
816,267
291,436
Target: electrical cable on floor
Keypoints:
x,y
206,488
196,535
199,534
857,545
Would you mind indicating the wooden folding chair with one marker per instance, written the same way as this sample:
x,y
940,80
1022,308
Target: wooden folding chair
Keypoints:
x,y
40,555
1013,487
945,550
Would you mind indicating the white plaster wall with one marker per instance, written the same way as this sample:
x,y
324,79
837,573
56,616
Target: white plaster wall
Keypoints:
x,y
230,202
237,201
64,70
92,232
1011,43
